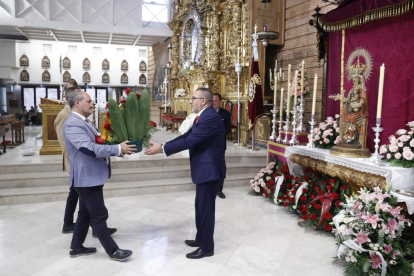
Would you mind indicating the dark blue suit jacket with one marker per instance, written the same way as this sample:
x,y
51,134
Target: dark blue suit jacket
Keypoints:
x,y
225,116
205,142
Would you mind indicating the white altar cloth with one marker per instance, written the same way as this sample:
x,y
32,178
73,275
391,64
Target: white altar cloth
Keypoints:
x,y
399,178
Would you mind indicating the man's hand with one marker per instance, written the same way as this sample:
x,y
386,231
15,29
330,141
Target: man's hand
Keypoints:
x,y
127,149
155,148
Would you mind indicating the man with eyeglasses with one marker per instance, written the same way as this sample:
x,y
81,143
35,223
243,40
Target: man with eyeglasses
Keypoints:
x,y
208,167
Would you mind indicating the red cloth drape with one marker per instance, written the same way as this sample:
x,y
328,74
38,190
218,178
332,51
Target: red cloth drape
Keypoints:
x,y
389,41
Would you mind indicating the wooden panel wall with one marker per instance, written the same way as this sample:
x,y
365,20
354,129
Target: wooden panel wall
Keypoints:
x,y
301,44
154,54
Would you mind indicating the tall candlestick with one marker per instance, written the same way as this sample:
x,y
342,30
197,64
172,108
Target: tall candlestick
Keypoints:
x,y
270,73
380,91
288,103
276,65
315,85
281,103
296,87
302,77
238,52
275,94
289,72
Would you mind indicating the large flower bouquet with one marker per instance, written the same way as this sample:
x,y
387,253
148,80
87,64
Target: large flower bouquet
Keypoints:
x,y
368,234
326,135
401,148
298,80
264,182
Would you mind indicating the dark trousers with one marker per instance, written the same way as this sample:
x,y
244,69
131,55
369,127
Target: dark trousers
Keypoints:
x,y
220,189
71,203
92,211
205,208
33,120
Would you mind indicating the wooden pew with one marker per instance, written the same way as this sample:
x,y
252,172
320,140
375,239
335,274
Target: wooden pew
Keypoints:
x,y
5,122
17,129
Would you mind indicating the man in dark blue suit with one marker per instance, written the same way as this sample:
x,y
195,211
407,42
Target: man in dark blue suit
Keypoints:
x,y
208,167
225,117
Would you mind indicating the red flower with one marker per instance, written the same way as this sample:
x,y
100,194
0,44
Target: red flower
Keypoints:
x,y
330,188
318,206
337,203
123,101
344,187
127,91
107,114
305,211
151,123
312,196
332,180
317,175
324,183
305,190
305,217
107,105
328,216
304,198
293,192
138,96
303,206
313,217
266,194
287,204
282,186
328,227
281,170
306,178
271,182
316,188
107,126
320,192
313,183
292,199
285,166
313,203
275,174
334,196
272,189
289,185
99,140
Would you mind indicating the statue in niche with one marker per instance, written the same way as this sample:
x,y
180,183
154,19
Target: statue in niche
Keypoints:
x,y
86,77
45,62
124,65
24,60
66,63
46,76
142,66
124,78
66,76
142,79
24,75
105,64
105,78
86,63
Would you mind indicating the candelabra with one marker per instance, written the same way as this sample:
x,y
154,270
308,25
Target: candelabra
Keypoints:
x,y
286,128
238,68
294,141
273,136
311,144
376,157
301,127
279,137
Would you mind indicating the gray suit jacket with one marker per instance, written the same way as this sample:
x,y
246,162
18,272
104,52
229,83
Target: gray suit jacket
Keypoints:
x,y
88,162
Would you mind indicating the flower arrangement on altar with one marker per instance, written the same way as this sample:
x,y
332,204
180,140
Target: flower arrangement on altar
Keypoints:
x,y
180,92
401,147
297,80
129,121
326,135
368,232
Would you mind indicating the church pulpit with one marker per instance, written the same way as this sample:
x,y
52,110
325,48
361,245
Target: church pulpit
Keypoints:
x,y
50,109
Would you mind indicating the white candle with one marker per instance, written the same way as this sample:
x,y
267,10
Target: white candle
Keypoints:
x,y
288,103
380,91
315,85
283,76
238,52
270,72
289,72
275,94
276,65
296,87
281,102
302,78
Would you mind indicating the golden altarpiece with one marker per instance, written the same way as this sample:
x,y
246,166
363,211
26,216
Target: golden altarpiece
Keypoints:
x,y
207,38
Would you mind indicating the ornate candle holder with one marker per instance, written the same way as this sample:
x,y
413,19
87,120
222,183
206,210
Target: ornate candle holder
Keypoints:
x,y
286,128
301,128
279,137
311,144
294,141
274,111
376,157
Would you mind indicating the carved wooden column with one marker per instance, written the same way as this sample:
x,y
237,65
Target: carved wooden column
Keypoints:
x,y
214,31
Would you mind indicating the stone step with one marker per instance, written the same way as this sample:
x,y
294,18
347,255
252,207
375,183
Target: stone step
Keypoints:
x,y
41,179
119,163
112,189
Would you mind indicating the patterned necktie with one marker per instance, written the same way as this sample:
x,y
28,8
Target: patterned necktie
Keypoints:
x,y
198,117
92,127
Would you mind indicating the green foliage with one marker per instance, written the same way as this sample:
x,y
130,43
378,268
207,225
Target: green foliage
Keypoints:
x,y
144,113
118,123
131,116
148,134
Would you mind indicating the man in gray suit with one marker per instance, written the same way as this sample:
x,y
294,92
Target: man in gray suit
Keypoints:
x,y
90,168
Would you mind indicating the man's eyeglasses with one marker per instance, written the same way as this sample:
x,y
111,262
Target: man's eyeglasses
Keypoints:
x,y
194,98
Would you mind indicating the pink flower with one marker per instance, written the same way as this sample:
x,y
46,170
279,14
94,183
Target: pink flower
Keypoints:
x,y
329,120
392,262
322,126
392,138
396,253
335,125
404,138
397,155
411,124
411,132
401,132
389,156
403,219
337,140
321,142
408,155
337,116
361,238
392,226
387,248
395,211
412,143
327,141
393,148
383,149
372,219
400,144
375,260
406,149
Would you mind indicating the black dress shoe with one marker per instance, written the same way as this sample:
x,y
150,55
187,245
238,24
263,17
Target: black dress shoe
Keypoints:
x,y
73,253
111,232
198,254
121,255
192,243
68,228
221,195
